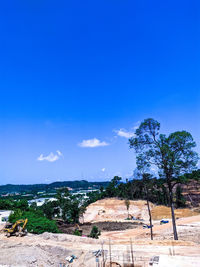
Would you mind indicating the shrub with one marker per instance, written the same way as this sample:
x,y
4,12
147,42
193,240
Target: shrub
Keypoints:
x,y
95,232
77,232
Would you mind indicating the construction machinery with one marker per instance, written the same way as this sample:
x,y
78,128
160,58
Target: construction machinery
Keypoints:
x,y
163,221
18,228
131,217
147,226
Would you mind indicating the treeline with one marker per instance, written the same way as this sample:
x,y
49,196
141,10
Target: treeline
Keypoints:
x,y
34,188
135,189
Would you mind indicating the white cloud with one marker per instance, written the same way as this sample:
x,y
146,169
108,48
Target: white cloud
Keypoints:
x,y
92,143
59,153
103,169
51,157
124,133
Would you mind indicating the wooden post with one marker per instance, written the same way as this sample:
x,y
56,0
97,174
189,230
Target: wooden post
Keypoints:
x,y
110,253
102,249
132,258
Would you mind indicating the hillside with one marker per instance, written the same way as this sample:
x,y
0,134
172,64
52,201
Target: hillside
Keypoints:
x,y
113,209
82,184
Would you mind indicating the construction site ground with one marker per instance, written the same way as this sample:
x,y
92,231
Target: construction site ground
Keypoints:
x,y
52,249
102,226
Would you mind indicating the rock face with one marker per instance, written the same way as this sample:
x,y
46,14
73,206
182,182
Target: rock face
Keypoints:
x,y
191,192
113,209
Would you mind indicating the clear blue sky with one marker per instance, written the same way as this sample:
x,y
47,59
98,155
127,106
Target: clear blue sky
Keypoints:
x,y
76,77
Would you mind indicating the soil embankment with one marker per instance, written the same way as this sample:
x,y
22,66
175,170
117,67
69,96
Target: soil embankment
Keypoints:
x,y
102,226
113,209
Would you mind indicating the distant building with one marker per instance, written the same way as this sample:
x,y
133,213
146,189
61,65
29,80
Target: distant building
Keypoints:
x,y
4,214
69,188
40,201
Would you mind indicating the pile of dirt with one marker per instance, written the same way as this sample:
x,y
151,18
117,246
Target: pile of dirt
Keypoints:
x,y
113,209
160,212
25,256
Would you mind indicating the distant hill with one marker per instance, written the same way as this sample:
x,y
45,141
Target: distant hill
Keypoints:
x,y
82,184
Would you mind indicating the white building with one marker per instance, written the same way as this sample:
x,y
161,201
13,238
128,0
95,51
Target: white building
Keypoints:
x,y
40,201
4,214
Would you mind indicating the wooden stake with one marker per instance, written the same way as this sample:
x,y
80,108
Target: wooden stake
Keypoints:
x,y
132,258
110,253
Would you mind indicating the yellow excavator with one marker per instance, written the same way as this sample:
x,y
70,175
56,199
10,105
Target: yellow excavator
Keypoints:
x,y
18,228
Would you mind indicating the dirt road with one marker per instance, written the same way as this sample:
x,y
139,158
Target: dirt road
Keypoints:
x,y
161,232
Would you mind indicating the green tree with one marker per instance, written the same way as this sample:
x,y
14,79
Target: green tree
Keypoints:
x,y
49,209
112,188
77,232
173,155
21,204
95,232
71,207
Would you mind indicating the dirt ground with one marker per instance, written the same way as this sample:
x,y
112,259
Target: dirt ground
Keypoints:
x,y
52,249
160,212
115,242
113,209
103,227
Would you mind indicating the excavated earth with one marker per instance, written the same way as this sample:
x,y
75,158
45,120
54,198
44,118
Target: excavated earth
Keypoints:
x,y
113,209
52,249
102,226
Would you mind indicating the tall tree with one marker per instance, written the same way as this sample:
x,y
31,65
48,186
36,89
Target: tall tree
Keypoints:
x,y
173,155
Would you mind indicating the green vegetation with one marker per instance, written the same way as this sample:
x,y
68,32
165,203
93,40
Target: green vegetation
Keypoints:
x,y
95,232
10,204
77,232
37,223
70,208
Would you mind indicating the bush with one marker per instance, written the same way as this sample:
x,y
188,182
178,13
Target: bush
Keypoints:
x,y
77,232
37,224
95,232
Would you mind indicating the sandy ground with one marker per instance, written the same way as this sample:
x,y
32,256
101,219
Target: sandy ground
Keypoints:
x,y
113,209
51,250
188,228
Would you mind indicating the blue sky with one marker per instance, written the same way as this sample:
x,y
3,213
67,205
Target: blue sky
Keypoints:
x,y
76,77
